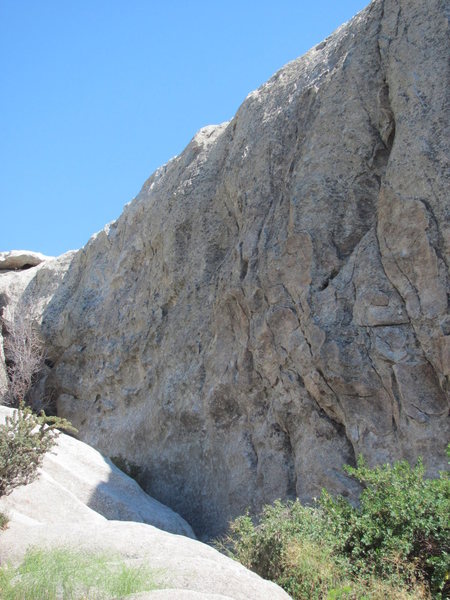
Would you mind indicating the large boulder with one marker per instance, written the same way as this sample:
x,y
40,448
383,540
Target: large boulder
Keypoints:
x,y
31,289
184,568
273,303
76,484
21,259
80,500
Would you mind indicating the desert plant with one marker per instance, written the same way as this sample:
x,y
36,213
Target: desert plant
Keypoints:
x,y
309,570
65,574
395,544
401,528
24,437
24,352
291,545
24,440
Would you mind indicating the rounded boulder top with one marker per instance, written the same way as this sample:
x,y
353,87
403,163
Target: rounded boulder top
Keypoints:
x,y
21,259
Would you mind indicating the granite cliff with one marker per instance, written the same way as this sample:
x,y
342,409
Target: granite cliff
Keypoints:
x,y
274,301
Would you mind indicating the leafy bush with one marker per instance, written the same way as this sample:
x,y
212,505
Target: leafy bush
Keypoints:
x,y
401,529
310,570
67,575
24,440
395,544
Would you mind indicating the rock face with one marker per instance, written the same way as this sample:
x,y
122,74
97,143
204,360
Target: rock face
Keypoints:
x,y
26,287
81,501
274,302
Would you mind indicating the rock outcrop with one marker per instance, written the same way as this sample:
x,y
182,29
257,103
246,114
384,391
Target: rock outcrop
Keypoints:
x,y
81,501
21,259
77,484
274,302
184,568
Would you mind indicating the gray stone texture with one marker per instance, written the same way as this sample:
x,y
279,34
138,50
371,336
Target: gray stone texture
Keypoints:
x,y
274,301
77,484
79,500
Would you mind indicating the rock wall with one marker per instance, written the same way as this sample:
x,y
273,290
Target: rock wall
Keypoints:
x,y
274,302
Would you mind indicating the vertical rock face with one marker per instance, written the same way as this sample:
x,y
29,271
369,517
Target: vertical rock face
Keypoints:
x,y
28,281
274,302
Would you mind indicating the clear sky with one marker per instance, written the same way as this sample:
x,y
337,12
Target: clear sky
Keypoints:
x,y
96,94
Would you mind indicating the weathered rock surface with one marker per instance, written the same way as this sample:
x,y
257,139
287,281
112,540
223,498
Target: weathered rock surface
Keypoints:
x,y
186,567
21,259
27,290
274,302
76,484
31,289
81,501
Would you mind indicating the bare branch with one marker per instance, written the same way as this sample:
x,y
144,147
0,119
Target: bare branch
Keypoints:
x,y
24,353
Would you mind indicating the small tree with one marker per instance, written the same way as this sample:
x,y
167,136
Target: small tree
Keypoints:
x,y
24,353
24,440
25,437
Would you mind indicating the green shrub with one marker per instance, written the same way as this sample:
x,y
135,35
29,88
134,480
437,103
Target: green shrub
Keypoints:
x,y
24,440
291,545
395,544
3,520
262,548
68,575
309,570
401,529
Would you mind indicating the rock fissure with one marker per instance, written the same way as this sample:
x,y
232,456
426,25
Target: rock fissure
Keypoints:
x,y
273,302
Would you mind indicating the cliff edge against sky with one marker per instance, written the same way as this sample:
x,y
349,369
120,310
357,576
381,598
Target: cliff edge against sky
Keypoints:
x,y
274,301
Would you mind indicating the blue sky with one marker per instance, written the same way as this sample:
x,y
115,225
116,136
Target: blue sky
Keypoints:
x,y
96,94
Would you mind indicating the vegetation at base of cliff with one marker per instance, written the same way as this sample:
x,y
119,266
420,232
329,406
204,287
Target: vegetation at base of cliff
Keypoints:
x,y
395,544
24,439
4,520
68,575
25,355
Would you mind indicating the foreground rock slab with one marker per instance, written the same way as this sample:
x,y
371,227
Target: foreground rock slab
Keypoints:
x,y
177,594
76,502
182,563
76,483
